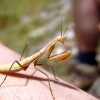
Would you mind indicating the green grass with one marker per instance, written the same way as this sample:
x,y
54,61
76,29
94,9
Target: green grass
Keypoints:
x,y
12,34
14,10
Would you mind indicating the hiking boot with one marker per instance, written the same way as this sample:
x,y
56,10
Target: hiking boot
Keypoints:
x,y
82,75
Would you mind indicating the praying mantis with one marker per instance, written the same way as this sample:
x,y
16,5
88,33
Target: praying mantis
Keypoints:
x,y
24,64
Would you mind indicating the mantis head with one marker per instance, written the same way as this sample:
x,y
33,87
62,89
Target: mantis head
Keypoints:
x,y
61,39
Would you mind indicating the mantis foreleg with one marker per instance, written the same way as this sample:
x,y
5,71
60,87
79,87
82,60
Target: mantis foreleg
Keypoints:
x,y
57,57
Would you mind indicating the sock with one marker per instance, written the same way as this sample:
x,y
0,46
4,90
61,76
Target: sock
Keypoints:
x,y
87,58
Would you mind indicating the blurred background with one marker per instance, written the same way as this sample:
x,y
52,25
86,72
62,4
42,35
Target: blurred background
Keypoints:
x,y
37,23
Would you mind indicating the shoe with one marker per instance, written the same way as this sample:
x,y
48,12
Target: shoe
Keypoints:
x,y
82,75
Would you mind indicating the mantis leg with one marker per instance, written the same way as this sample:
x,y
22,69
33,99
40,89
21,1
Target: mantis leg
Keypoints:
x,y
26,47
35,63
57,57
10,69
24,68
48,81
51,67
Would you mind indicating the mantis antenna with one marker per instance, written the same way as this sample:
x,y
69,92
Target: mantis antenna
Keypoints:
x,y
69,21
68,25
